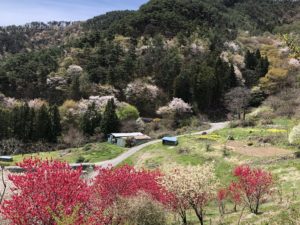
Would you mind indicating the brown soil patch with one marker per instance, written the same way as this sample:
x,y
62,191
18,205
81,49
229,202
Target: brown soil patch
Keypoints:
x,y
263,151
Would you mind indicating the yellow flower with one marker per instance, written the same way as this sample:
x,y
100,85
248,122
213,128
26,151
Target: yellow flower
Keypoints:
x,y
277,130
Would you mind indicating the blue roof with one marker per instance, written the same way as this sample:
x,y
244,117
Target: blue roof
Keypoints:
x,y
171,139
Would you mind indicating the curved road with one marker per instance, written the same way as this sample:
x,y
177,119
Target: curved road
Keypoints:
x,y
114,162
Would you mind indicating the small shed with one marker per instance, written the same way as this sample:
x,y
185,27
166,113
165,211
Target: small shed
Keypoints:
x,y
6,159
170,141
128,139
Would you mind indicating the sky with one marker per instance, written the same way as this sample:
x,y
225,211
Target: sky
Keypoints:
x,y
19,12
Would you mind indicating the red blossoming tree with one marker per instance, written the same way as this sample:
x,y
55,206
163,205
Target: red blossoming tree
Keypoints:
x,y
46,191
112,184
253,186
221,197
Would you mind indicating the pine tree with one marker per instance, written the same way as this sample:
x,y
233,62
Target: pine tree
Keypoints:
x,y
110,122
90,120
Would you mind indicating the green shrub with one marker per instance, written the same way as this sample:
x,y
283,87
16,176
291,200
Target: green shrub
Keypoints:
x,y
126,112
80,159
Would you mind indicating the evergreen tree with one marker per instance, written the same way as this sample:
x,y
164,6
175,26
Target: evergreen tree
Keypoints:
x,y
110,122
263,66
4,124
55,123
75,92
90,120
257,55
43,125
182,87
233,79
25,134
250,60
32,124
16,122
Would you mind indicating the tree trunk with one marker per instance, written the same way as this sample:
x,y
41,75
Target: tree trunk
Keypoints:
x,y
183,218
199,216
256,207
235,208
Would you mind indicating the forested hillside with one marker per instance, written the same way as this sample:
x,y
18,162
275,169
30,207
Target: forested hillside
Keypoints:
x,y
195,50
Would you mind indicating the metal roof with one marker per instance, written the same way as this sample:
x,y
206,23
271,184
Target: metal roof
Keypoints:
x,y
142,137
127,134
171,139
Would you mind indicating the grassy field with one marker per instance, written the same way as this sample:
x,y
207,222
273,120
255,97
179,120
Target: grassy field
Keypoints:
x,y
213,148
94,152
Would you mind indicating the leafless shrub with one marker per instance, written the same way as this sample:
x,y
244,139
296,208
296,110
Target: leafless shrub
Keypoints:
x,y
237,101
73,137
140,210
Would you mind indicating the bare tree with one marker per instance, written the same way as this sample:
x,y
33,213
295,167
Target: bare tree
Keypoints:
x,y
237,101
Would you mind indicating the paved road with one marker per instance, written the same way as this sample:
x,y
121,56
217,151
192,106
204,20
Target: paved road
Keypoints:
x,y
132,151
114,162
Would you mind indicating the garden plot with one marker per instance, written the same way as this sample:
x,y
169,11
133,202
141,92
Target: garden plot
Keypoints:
x,y
242,148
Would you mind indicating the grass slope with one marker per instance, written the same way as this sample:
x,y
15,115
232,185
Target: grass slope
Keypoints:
x,y
199,149
94,152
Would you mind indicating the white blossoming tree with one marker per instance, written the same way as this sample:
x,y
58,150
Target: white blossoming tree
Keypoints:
x,y
192,186
177,105
37,103
294,136
74,70
175,111
142,95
